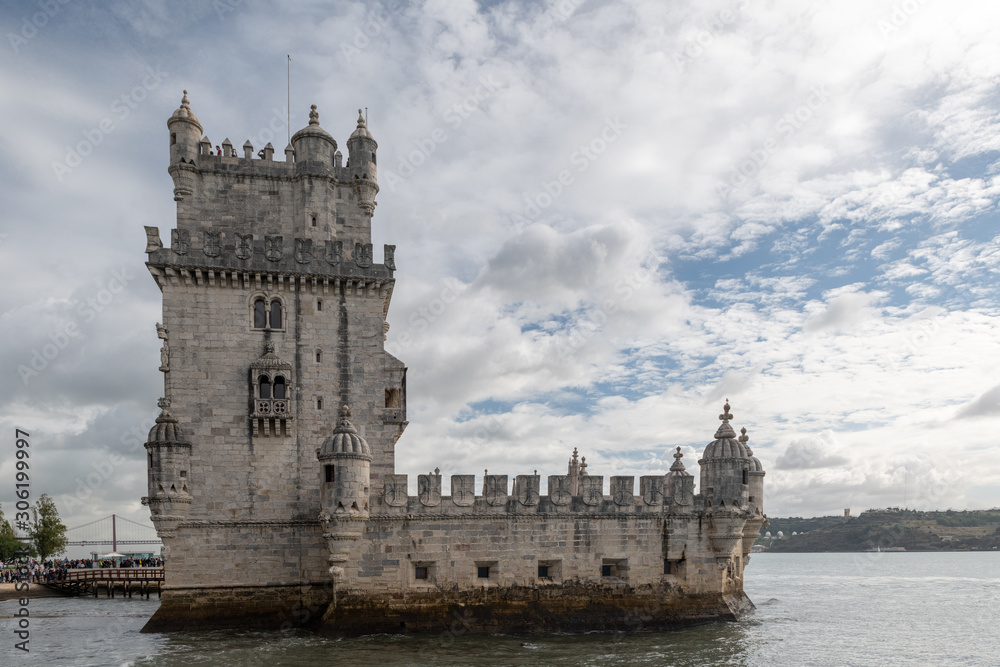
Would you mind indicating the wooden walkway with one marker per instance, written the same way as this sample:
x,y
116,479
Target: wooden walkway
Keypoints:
x,y
128,580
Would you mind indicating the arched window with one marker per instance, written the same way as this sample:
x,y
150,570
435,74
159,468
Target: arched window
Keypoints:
x,y
259,315
265,387
275,314
746,476
279,387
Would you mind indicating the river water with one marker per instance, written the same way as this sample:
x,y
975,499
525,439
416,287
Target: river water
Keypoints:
x,y
812,609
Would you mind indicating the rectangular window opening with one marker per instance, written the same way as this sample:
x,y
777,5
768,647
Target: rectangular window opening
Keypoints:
x,y
483,571
420,572
329,473
392,397
614,568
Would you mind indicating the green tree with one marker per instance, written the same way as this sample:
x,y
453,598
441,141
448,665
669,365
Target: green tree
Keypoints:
x,y
9,545
48,533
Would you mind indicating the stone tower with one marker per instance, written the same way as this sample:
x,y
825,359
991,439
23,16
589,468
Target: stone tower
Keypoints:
x,y
274,311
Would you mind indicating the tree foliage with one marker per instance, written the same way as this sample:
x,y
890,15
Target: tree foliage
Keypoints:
x,y
48,533
9,545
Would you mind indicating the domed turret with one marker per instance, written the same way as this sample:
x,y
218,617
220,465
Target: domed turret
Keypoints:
x,y
361,148
169,463
314,144
185,133
725,467
346,459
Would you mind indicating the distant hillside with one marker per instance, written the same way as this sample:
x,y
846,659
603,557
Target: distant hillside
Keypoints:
x,y
887,529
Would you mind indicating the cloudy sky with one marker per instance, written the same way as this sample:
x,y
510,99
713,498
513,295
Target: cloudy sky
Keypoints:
x,y
609,218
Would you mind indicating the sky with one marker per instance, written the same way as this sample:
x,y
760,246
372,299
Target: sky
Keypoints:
x,y
609,217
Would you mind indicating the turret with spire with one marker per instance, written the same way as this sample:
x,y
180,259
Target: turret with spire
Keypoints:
x,y
725,467
361,148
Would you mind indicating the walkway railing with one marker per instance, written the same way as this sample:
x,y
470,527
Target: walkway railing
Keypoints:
x,y
92,580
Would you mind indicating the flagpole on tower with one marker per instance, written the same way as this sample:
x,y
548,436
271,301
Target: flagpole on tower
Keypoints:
x,y
288,104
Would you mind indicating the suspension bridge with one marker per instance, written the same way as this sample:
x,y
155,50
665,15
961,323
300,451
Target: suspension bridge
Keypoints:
x,y
113,531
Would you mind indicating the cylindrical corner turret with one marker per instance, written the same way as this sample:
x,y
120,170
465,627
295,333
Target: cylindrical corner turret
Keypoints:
x,y
169,465
346,459
313,146
185,133
361,147
725,468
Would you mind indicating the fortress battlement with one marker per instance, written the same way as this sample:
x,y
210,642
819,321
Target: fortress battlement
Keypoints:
x,y
270,500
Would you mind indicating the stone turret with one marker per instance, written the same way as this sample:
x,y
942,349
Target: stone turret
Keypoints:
x,y
169,454
346,460
755,501
361,148
725,467
313,144
185,133
185,145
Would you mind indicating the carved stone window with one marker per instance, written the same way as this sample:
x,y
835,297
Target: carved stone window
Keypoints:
x,y
270,380
267,313
275,319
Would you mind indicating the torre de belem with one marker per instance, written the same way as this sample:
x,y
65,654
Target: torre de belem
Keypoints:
x,y
272,477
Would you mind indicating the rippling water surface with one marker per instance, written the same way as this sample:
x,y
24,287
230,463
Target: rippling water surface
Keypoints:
x,y
812,609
